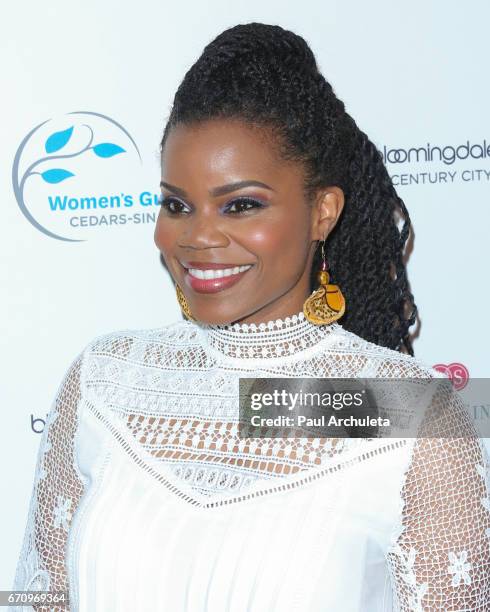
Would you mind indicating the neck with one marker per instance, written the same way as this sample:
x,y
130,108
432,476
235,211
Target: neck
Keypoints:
x,y
281,309
268,339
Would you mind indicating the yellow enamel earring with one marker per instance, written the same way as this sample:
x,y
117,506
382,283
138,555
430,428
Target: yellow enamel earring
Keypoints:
x,y
326,304
183,303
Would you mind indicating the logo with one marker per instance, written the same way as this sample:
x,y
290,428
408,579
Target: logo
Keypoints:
x,y
456,372
423,163
77,174
447,154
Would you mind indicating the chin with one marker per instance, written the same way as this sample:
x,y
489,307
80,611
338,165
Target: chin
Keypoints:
x,y
215,318
212,318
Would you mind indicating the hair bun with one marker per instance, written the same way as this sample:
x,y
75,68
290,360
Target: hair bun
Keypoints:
x,y
263,40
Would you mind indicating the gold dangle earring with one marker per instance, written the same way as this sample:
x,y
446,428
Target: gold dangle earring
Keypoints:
x,y
326,304
183,303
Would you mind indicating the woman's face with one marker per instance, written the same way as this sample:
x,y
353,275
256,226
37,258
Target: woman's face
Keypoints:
x,y
230,201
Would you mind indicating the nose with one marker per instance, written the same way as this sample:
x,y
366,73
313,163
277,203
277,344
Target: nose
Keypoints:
x,y
202,232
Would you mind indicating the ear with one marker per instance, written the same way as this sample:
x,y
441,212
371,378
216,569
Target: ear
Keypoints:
x,y
328,207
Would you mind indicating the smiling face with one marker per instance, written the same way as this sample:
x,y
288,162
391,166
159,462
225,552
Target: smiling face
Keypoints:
x,y
229,201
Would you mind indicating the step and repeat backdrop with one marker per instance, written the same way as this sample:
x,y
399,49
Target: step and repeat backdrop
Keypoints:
x,y
87,92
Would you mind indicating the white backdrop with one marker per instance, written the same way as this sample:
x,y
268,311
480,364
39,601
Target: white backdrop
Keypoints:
x,y
413,76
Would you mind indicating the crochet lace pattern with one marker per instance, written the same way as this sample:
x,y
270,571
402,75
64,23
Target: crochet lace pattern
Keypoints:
x,y
169,396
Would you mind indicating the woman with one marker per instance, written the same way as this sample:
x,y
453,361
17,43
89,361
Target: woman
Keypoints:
x,y
146,497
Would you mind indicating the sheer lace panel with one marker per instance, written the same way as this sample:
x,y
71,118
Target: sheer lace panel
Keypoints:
x,y
189,419
203,449
441,557
56,492
178,399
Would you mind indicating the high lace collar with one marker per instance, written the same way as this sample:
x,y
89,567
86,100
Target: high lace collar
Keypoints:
x,y
273,339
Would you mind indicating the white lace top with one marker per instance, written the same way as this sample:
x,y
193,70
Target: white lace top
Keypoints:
x,y
146,498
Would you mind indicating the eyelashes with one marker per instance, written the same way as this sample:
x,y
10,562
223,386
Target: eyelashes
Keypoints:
x,y
238,206
172,206
244,204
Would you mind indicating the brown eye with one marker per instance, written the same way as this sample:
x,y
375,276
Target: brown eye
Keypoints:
x,y
244,205
171,205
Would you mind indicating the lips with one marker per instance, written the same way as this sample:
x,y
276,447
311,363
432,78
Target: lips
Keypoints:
x,y
212,285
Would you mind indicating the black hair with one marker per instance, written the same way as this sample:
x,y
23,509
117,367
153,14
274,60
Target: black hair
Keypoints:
x,y
268,77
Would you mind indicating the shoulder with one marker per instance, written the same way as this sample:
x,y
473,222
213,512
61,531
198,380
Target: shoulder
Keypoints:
x,y
380,361
130,360
112,355
123,343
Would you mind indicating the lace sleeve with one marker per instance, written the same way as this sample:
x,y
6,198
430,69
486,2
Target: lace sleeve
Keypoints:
x,y
440,556
56,492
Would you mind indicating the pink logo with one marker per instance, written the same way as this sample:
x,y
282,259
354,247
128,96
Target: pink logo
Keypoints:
x,y
456,372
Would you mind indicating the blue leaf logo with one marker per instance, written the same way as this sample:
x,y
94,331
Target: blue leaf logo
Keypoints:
x,y
107,149
58,140
56,175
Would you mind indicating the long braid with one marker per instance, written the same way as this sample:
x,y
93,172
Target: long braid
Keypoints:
x,y
268,76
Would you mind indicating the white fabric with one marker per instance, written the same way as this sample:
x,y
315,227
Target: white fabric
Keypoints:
x,y
145,498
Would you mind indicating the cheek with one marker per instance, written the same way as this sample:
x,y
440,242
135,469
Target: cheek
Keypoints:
x,y
263,240
164,236
279,245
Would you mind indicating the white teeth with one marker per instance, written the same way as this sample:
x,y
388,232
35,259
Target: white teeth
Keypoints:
x,y
208,274
197,273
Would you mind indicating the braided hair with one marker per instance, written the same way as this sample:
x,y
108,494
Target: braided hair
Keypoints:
x,y
268,77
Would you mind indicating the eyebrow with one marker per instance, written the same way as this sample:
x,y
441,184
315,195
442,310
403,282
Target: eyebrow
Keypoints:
x,y
221,190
